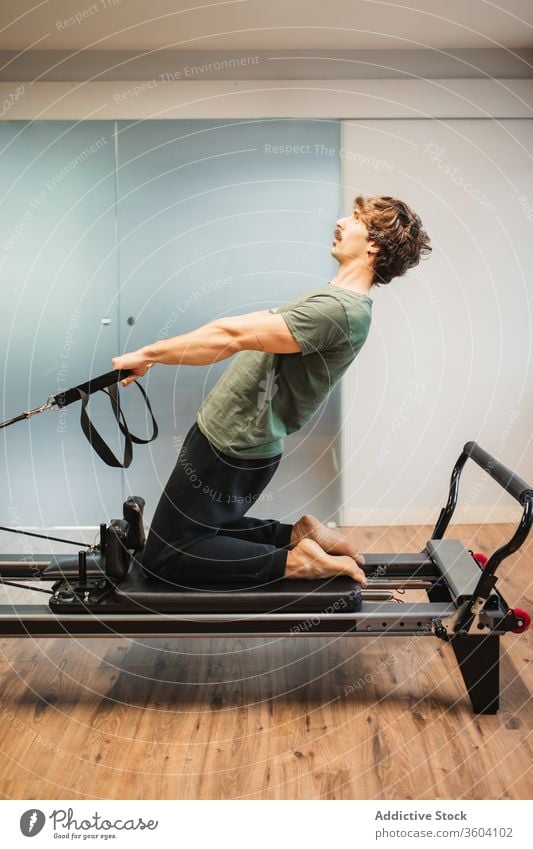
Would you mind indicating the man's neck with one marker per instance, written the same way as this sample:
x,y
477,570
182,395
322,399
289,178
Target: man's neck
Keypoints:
x,y
354,279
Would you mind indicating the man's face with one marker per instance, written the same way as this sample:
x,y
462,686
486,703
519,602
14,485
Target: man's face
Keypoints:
x,y
350,238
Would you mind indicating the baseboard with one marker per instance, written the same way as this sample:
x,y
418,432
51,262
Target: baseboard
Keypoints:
x,y
466,515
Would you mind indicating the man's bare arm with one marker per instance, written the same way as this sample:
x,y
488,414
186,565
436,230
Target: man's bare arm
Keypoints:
x,y
218,340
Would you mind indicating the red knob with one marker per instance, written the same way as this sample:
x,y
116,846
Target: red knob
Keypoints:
x,y
481,558
525,619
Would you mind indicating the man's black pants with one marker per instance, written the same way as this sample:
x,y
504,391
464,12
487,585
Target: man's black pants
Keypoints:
x,y
200,534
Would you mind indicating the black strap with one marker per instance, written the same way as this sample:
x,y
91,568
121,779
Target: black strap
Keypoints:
x,y
100,446
70,396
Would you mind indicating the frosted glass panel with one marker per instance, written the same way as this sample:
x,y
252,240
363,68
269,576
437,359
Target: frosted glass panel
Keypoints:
x,y
222,218
59,278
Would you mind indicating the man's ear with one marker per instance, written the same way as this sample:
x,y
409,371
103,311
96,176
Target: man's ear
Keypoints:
x,y
372,248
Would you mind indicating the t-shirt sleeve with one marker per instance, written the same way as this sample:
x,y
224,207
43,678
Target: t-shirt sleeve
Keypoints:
x,y
318,323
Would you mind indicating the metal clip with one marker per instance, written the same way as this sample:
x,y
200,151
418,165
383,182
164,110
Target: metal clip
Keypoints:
x,y
48,406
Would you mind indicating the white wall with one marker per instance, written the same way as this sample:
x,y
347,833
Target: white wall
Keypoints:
x,y
121,100
448,358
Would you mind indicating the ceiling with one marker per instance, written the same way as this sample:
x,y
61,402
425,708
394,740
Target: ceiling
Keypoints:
x,y
264,24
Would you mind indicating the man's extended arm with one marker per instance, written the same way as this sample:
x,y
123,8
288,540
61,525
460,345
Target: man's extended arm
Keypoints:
x,y
218,340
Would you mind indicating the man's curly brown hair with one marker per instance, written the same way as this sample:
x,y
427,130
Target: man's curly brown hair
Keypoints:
x,y
397,230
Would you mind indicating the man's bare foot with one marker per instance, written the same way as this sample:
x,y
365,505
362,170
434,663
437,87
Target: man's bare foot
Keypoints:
x,y
329,539
309,561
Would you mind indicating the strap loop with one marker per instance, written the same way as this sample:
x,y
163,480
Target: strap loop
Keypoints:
x,y
100,446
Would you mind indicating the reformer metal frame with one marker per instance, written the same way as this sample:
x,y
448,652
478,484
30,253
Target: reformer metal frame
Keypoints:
x,y
463,607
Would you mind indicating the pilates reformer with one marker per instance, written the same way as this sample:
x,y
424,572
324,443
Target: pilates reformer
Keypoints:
x,y
107,589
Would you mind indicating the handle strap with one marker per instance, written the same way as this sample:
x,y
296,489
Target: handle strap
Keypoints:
x,y
102,381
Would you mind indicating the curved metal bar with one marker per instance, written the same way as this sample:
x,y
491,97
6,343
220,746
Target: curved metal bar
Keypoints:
x,y
447,512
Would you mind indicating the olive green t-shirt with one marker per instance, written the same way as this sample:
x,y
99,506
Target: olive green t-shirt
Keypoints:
x,y
262,397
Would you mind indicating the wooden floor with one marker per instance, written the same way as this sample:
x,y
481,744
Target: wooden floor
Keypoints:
x,y
284,718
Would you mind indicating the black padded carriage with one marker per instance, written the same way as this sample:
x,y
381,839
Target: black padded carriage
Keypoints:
x,y
121,582
140,593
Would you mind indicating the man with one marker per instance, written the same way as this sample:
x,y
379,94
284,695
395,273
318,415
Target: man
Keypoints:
x,y
288,360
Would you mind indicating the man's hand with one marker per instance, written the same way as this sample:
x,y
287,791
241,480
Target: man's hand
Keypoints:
x,y
137,362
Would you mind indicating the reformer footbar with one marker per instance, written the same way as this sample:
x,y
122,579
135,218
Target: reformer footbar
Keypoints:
x,y
109,591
